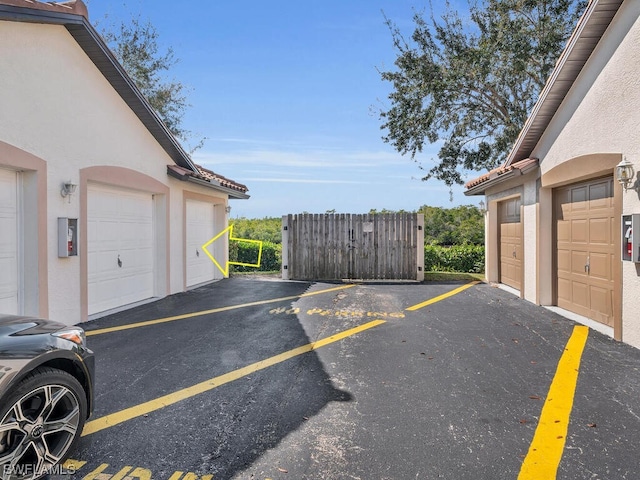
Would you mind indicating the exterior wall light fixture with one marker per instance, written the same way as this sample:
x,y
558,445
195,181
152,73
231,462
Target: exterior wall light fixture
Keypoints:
x,y
624,173
68,189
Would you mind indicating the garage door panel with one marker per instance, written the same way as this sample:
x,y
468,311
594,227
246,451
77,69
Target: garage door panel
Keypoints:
x,y
579,198
578,262
121,247
579,231
564,260
564,289
564,231
9,284
601,301
586,291
201,227
600,266
599,230
599,195
511,250
580,293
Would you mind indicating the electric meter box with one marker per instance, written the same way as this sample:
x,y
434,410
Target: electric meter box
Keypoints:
x,y
631,238
67,237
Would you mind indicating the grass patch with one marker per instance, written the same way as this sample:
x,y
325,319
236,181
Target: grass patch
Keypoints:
x,y
271,273
452,276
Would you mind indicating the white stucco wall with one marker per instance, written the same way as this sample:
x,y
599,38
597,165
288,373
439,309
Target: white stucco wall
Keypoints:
x,y
64,111
529,240
601,115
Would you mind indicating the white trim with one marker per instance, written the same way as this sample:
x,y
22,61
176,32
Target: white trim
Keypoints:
x,y
122,308
592,324
507,288
20,243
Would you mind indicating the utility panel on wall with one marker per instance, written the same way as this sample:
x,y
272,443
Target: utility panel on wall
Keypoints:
x,y
67,237
631,238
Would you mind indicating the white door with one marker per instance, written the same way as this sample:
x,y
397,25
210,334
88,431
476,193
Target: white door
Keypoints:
x,y
200,229
9,283
120,242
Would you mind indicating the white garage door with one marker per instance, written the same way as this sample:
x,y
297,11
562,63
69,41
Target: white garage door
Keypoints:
x,y
8,242
200,229
120,242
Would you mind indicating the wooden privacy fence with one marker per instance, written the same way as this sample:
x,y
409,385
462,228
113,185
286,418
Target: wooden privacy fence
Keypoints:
x,y
349,246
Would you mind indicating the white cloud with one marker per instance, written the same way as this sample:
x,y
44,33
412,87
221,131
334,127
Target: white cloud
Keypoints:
x,y
310,158
303,180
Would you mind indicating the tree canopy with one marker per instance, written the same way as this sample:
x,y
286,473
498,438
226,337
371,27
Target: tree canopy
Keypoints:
x,y
135,45
463,225
469,82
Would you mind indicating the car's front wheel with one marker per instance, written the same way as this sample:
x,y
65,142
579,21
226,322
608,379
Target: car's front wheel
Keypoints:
x,y
41,420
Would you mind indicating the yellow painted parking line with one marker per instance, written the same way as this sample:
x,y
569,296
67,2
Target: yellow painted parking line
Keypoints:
x,y
144,408
206,312
545,451
442,297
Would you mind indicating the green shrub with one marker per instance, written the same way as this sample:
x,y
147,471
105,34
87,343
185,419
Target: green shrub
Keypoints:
x,y
457,258
244,252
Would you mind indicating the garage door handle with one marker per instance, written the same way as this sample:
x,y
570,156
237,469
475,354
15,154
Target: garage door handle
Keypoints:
x,y
587,266
514,254
197,253
119,262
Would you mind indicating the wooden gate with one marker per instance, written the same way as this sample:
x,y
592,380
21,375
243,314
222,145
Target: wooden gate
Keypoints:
x,y
355,247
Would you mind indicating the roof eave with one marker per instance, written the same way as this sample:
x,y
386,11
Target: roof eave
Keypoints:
x,y
99,53
481,188
215,185
496,179
554,93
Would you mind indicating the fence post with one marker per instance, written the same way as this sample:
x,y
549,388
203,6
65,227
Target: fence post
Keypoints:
x,y
285,247
420,249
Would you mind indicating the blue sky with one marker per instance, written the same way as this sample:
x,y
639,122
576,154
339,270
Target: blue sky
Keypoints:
x,y
284,91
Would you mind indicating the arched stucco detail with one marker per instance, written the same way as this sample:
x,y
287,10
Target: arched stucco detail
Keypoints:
x,y
575,170
135,180
580,168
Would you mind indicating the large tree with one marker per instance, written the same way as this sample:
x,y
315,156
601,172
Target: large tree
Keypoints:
x,y
468,82
135,45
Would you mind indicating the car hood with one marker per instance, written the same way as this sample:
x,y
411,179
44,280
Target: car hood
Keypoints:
x,y
16,325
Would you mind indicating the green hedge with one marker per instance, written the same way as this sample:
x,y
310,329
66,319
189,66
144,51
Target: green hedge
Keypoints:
x,y
457,258
245,252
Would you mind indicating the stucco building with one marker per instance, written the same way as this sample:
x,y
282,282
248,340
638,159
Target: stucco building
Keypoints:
x,y
554,228
100,206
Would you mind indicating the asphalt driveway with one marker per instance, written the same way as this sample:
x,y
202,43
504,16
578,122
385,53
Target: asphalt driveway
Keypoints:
x,y
255,378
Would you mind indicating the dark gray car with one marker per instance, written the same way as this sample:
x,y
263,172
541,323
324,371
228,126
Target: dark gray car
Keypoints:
x,y
46,394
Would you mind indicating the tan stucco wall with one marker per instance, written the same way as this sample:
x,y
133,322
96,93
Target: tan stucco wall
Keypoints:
x,y
63,111
596,126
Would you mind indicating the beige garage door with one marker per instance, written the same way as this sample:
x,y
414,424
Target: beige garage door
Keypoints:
x,y
510,243
586,249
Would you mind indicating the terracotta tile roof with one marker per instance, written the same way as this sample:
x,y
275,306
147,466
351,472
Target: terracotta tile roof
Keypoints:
x,y
224,181
73,6
500,171
207,175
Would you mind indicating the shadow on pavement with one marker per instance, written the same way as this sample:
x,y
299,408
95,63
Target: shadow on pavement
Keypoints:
x,y
220,432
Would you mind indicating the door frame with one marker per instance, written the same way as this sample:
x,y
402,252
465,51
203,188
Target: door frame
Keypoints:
x,y
120,177
219,205
616,268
